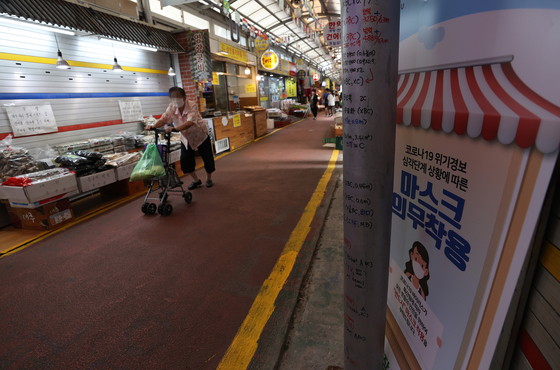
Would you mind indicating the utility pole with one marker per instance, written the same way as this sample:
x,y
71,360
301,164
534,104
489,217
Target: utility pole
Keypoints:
x,y
147,11
370,37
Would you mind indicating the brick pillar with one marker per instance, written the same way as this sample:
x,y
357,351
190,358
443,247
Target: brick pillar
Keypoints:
x,y
185,68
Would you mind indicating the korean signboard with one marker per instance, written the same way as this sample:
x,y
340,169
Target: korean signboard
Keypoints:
x,y
199,55
468,183
333,34
269,60
233,53
261,43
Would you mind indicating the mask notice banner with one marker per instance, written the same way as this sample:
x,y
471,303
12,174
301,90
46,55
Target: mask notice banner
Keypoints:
x,y
131,111
31,120
199,55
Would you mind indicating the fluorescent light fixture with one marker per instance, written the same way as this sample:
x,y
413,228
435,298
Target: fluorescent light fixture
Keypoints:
x,y
61,63
42,27
116,66
309,19
128,44
219,73
247,71
171,72
224,52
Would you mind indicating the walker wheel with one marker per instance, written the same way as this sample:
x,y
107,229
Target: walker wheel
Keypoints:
x,y
188,197
160,209
145,208
167,209
152,208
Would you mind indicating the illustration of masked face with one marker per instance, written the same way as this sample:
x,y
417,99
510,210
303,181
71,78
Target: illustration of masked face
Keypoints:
x,y
418,271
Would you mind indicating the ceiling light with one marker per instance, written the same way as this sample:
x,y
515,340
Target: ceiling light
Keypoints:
x,y
128,44
116,66
171,72
259,78
224,52
247,71
219,73
310,19
61,63
37,26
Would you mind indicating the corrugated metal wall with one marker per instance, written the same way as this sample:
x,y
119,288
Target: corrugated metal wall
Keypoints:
x,y
538,343
85,101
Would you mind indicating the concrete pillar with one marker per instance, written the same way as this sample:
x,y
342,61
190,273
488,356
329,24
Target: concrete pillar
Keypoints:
x,y
370,36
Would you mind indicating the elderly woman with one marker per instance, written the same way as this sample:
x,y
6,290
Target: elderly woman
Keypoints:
x,y
186,118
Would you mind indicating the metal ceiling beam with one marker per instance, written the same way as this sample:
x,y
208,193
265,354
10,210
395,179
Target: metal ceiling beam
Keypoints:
x,y
328,14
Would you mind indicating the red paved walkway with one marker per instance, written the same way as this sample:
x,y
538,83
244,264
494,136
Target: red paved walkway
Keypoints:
x,y
128,291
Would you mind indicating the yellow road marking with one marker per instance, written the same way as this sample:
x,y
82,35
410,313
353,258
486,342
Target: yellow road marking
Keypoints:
x,y
73,63
244,345
46,234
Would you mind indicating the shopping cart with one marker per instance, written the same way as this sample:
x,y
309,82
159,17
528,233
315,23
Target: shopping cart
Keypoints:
x,y
170,183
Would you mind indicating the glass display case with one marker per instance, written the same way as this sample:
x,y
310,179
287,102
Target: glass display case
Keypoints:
x,y
264,92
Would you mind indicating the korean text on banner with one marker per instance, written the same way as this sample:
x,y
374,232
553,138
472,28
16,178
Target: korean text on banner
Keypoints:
x,y
199,55
333,34
233,53
215,79
291,88
237,120
31,120
131,111
440,236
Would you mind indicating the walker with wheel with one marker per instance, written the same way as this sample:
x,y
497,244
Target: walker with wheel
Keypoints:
x,y
170,183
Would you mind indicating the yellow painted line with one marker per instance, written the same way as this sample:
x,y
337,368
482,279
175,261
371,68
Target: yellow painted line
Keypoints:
x,y
46,234
550,259
244,345
73,63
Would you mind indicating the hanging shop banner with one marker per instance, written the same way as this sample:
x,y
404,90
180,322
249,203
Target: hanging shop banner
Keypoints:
x,y
301,74
199,55
291,88
250,88
131,111
316,76
476,144
237,120
292,69
215,79
333,34
299,62
31,120
269,60
202,104
261,43
233,53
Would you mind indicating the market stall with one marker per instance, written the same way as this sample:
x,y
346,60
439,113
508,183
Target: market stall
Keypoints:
x,y
238,128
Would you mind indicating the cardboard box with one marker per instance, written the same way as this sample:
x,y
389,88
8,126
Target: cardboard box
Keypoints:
x,y
129,8
174,156
42,192
124,172
48,217
96,180
124,188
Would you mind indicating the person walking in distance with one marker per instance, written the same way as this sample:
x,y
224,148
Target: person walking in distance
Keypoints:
x,y
331,101
325,101
194,134
313,102
336,100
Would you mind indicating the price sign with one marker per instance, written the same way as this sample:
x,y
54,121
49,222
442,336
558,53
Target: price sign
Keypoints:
x,y
31,120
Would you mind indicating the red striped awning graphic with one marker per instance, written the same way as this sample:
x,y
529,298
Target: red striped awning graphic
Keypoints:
x,y
489,100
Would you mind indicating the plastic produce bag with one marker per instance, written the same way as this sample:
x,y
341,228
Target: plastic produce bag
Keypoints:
x,y
150,165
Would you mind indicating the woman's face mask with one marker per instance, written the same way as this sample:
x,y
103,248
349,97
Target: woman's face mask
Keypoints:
x,y
418,271
178,102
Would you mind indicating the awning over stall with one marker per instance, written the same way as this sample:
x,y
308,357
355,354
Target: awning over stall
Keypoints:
x,y
488,100
82,18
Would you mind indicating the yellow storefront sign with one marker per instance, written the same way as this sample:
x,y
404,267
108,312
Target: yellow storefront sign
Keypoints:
x,y
269,60
215,78
237,120
233,53
291,88
261,44
250,88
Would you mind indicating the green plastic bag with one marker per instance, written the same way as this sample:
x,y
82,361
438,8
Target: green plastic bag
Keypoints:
x,y
150,165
